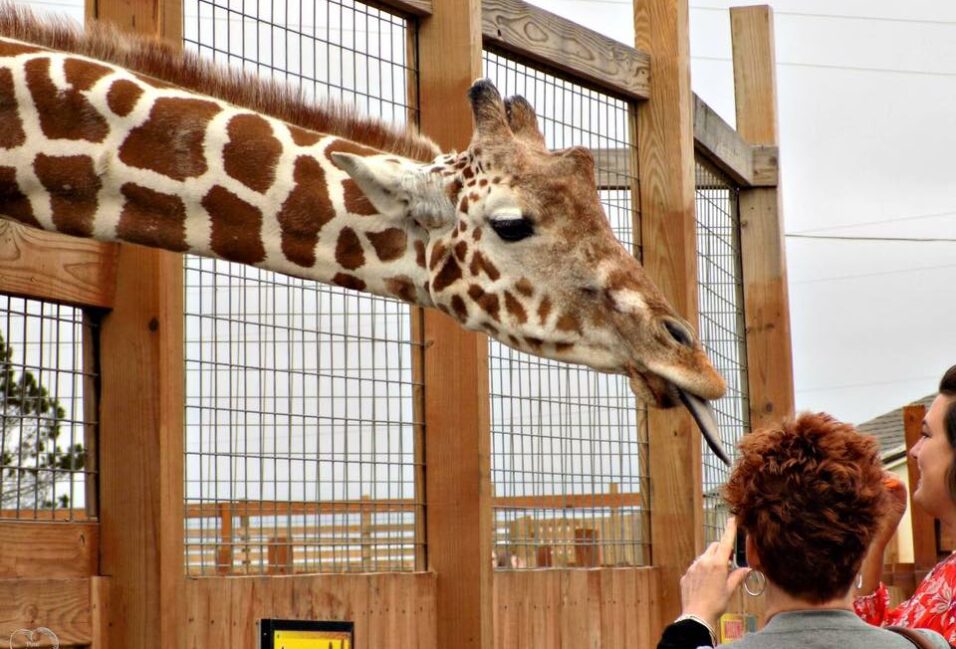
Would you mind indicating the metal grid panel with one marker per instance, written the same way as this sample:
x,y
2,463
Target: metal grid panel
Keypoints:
x,y
569,444
302,423
720,291
47,412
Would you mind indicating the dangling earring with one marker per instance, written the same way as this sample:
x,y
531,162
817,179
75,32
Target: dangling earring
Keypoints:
x,y
755,588
859,581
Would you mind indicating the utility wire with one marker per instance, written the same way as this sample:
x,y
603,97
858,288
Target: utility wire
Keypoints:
x,y
833,237
825,66
912,217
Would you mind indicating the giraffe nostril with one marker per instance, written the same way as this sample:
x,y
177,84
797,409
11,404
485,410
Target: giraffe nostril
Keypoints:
x,y
590,291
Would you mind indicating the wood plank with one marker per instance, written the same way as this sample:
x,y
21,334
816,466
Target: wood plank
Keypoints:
x,y
538,35
766,165
721,145
763,249
924,525
55,267
669,233
48,549
457,419
404,7
568,501
100,610
61,605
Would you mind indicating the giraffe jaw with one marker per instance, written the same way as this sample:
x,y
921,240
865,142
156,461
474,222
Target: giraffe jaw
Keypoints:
x,y
664,394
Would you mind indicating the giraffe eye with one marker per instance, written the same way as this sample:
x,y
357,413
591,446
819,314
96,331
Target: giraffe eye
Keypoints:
x,y
679,333
513,229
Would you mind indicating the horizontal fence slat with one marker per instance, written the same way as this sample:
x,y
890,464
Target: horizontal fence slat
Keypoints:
x,y
34,549
407,7
743,163
56,267
538,35
61,605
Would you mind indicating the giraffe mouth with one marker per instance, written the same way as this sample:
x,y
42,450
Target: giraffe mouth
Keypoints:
x,y
668,395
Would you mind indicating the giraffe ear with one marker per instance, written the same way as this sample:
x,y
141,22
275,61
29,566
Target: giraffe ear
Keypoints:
x,y
396,191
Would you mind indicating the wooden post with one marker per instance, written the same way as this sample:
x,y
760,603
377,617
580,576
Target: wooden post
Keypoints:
x,y
669,231
224,556
457,449
141,421
924,525
763,250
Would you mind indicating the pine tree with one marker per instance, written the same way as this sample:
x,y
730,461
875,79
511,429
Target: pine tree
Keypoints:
x,y
32,460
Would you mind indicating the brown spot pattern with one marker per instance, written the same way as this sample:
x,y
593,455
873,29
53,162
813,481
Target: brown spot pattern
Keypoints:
x,y
122,96
453,189
73,186
515,309
348,147
305,212
420,253
438,253
170,142
355,201
461,251
524,287
302,137
481,265
402,287
348,281
152,218
476,235
83,74
12,49
348,250
562,347
448,275
544,309
65,115
252,152
13,202
11,127
463,205
389,244
568,322
487,301
236,226
459,306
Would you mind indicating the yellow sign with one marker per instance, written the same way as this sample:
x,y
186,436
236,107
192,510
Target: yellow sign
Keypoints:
x,y
311,640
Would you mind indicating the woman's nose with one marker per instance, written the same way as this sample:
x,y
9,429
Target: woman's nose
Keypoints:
x,y
914,452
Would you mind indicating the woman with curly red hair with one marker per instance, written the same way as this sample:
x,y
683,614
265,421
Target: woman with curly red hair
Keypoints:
x,y
809,494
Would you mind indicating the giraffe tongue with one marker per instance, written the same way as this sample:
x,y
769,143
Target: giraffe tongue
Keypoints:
x,y
704,416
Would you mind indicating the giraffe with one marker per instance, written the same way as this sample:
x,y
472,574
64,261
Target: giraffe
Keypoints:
x,y
121,138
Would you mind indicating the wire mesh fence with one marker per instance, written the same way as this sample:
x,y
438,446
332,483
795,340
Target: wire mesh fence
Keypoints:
x,y
568,443
48,416
721,326
303,425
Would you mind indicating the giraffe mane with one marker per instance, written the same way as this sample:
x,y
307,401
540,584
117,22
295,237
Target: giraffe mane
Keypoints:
x,y
154,58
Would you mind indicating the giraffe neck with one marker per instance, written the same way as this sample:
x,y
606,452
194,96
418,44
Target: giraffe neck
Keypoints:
x,y
93,150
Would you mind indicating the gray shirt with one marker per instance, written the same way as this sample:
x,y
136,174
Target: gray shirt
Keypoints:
x,y
826,629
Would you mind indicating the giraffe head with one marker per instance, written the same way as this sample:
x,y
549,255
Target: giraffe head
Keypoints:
x,y
518,246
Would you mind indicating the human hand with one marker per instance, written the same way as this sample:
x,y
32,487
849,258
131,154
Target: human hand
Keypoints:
x,y
707,585
898,498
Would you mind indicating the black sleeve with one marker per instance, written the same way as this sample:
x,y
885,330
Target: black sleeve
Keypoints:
x,y
686,634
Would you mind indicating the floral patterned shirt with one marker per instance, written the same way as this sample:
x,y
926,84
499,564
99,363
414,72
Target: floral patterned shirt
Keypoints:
x,y
932,606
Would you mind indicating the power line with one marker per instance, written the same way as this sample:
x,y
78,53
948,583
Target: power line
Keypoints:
x,y
825,66
913,217
832,237
835,278
848,386
802,14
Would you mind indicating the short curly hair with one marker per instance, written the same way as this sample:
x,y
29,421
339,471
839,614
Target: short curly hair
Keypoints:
x,y
810,494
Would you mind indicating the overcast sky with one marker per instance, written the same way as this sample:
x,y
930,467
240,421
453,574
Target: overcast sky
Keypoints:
x,y
867,112
867,109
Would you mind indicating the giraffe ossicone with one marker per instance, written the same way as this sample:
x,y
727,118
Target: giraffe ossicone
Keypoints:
x,y
111,136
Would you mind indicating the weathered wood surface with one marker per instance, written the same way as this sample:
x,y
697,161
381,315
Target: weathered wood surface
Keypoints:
x,y
669,233
61,605
55,267
763,249
568,609
33,549
540,36
457,418
406,7
390,610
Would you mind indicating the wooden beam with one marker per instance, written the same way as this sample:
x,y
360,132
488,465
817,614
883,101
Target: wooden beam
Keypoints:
x,y
569,501
55,267
457,419
743,163
538,35
61,605
763,250
49,549
669,232
924,525
418,8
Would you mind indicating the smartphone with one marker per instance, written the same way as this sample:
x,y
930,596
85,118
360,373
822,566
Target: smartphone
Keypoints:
x,y
740,549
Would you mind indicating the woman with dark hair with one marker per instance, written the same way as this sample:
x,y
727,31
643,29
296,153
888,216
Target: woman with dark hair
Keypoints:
x,y
809,494
933,605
